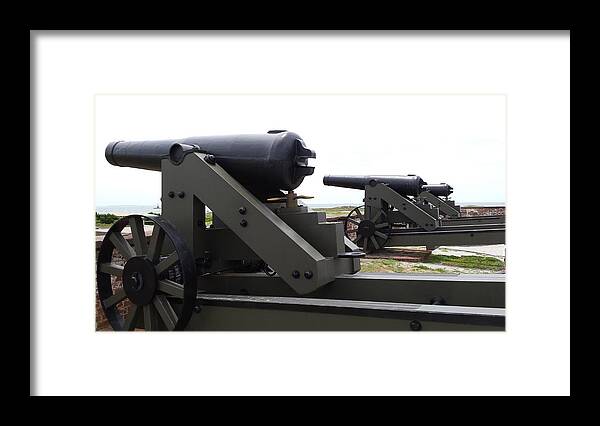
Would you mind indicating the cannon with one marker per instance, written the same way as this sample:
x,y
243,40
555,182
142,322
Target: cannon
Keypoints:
x,y
438,195
439,190
406,211
405,185
265,163
265,261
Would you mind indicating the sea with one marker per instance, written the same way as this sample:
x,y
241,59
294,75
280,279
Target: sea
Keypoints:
x,y
123,210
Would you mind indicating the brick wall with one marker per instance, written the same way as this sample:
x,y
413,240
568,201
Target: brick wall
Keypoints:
x,y
117,283
482,211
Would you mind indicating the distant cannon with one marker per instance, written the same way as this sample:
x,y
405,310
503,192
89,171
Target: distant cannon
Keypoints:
x,y
406,211
439,190
405,185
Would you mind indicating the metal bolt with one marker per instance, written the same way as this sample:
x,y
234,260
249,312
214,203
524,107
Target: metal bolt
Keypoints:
x,y
243,223
415,325
197,308
296,274
242,210
181,194
210,159
308,275
171,194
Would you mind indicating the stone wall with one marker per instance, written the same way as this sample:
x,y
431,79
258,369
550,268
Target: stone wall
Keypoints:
x,y
482,211
117,283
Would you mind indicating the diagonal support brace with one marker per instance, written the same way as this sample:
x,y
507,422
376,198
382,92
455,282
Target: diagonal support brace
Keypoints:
x,y
380,192
444,207
297,262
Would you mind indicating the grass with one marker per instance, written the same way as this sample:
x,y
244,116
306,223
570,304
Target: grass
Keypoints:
x,y
474,262
334,211
434,264
381,265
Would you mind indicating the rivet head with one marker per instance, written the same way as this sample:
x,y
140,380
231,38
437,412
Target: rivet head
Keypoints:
x,y
308,275
196,309
210,159
296,274
242,210
415,325
243,223
181,194
171,194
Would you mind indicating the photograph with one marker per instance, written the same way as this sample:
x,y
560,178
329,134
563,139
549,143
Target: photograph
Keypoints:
x,y
351,212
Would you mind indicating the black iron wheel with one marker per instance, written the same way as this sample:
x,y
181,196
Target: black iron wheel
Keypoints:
x,y
150,277
369,234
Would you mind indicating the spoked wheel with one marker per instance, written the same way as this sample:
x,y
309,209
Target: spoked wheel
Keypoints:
x,y
152,275
368,234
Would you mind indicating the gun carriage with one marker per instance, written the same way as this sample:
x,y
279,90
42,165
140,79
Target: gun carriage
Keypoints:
x,y
266,262
406,211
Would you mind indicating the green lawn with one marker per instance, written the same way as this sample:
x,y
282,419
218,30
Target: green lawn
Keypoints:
x,y
476,262
434,264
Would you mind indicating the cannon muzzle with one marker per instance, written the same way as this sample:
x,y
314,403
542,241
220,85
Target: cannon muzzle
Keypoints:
x,y
263,163
439,190
404,185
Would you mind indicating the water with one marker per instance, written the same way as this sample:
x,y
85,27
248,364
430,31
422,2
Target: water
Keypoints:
x,y
123,210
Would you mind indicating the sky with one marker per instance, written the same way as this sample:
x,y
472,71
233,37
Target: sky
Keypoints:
x,y
457,139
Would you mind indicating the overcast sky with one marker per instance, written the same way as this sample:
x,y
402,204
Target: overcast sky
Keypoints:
x,y
458,139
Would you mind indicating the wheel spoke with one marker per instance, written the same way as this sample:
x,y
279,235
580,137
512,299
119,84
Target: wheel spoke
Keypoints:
x,y
139,235
381,235
167,263
374,241
165,311
111,269
114,299
377,215
148,318
382,225
156,242
171,288
360,214
130,321
365,242
121,245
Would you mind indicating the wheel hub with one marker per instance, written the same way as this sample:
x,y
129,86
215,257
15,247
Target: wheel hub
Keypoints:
x,y
366,228
139,280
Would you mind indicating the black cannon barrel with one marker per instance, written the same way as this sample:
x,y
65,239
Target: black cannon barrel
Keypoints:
x,y
263,163
404,185
439,190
